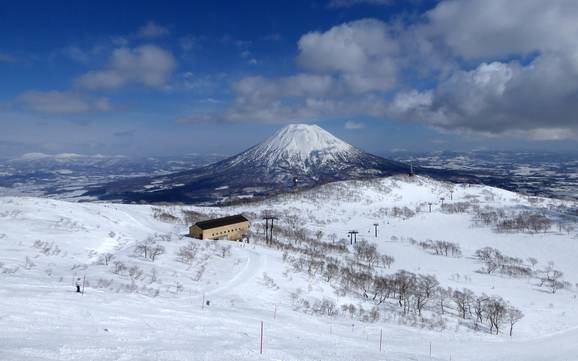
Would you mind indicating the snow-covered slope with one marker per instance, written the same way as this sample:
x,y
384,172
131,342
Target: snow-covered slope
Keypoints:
x,y
298,155
158,314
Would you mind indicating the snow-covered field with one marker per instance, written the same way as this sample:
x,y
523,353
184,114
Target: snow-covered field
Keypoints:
x,y
156,310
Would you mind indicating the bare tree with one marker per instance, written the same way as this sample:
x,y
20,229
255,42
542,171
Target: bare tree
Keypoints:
x,y
333,237
551,278
331,271
495,312
135,272
423,291
105,258
387,260
366,252
404,284
443,295
513,315
479,305
187,253
118,267
155,251
141,250
462,300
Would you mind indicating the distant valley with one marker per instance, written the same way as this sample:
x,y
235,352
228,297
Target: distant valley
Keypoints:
x,y
542,174
547,174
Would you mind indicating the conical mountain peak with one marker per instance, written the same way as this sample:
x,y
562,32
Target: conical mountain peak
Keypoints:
x,y
297,155
300,146
304,139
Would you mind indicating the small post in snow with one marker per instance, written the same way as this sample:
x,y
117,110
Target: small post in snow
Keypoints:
x,y
380,338
430,349
83,282
261,342
203,304
375,225
275,312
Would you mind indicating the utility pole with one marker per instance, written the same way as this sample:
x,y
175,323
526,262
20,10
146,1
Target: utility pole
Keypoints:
x,y
375,225
452,195
442,199
269,228
355,236
429,204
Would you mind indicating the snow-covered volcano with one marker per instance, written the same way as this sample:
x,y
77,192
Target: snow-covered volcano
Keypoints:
x,y
309,153
298,155
301,146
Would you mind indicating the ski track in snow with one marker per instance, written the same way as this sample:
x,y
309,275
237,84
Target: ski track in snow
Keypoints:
x,y
254,264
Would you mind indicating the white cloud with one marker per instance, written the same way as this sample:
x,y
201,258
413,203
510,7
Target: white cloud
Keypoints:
x,y
152,30
485,29
146,65
500,98
352,125
494,67
362,53
63,102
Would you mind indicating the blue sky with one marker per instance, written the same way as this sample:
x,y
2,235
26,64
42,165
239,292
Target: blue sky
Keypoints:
x,y
174,77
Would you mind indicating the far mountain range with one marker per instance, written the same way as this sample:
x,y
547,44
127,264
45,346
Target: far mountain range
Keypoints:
x,y
296,156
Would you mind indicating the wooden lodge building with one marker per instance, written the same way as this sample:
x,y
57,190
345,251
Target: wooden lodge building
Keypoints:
x,y
233,228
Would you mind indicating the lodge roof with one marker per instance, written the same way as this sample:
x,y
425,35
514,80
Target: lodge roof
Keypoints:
x,y
219,222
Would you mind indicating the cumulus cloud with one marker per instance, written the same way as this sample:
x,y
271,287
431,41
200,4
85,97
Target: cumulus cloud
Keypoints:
x,y
146,65
152,30
341,68
361,53
494,67
63,102
500,98
534,97
500,28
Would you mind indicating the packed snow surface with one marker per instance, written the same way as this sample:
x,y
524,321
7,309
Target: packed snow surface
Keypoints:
x,y
212,307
